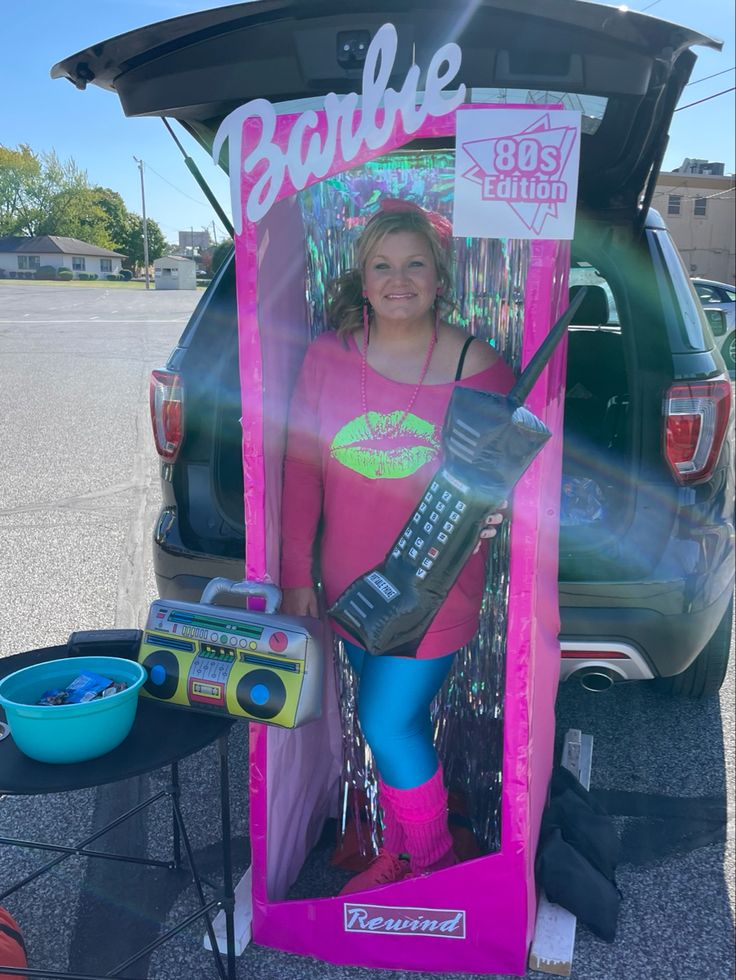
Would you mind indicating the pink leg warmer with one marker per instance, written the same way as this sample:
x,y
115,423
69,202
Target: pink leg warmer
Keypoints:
x,y
422,812
394,839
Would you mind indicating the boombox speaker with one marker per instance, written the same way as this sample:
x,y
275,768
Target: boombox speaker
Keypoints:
x,y
258,666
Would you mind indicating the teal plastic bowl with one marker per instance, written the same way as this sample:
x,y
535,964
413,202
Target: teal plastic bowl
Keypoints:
x,y
70,732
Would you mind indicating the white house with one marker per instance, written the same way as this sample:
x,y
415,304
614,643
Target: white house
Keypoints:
x,y
174,272
21,256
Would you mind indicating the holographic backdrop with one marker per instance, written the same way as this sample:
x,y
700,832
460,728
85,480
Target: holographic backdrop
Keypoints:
x,y
488,302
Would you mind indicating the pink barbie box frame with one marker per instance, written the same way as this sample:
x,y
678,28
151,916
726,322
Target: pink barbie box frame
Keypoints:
x,y
475,917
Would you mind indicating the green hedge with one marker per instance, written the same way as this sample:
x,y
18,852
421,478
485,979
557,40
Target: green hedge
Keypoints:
x,y
64,274
46,272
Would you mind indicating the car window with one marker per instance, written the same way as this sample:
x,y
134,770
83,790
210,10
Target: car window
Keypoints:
x,y
707,294
686,323
730,295
716,320
592,108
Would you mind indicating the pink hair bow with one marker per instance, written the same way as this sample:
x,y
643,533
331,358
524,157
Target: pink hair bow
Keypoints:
x,y
441,225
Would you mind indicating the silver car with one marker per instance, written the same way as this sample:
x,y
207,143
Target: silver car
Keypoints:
x,y
720,296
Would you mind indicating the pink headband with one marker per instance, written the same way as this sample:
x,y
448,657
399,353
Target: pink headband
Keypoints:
x,y
397,205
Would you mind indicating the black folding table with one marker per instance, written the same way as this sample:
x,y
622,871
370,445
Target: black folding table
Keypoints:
x,y
161,736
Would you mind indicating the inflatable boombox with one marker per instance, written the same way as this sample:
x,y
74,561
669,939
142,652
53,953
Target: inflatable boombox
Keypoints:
x,y
488,442
258,666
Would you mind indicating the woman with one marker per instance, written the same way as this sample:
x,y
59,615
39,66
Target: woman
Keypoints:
x,y
364,427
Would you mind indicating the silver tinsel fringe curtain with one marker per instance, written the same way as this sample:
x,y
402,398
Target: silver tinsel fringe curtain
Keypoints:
x,y
489,276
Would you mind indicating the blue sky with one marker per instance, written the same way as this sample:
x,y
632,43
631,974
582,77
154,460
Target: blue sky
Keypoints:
x,y
90,126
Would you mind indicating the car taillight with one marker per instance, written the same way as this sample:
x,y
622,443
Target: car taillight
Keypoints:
x,y
166,394
695,421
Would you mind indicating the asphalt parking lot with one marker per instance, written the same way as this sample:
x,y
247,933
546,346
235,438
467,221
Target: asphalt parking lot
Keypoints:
x,y
78,498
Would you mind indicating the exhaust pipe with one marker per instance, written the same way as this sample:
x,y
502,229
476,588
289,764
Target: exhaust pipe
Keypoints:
x,y
597,679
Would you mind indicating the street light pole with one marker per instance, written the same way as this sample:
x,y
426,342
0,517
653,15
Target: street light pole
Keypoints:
x,y
145,225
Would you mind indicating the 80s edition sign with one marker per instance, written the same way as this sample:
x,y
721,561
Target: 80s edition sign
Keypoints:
x,y
516,172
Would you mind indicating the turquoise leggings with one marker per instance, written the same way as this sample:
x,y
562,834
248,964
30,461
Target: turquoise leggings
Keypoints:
x,y
394,695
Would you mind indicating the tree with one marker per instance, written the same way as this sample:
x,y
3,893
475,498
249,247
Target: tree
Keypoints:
x,y
29,185
133,245
20,172
76,213
120,221
219,254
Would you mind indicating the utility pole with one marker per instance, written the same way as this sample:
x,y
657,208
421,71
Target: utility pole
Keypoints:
x,y
145,225
214,232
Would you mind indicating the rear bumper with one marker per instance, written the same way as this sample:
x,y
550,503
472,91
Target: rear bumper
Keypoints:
x,y
663,641
619,661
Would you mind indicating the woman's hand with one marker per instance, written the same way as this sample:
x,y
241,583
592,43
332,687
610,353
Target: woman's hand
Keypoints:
x,y
492,522
299,602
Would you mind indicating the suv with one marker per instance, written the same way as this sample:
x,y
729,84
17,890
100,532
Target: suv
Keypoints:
x,y
646,572
719,296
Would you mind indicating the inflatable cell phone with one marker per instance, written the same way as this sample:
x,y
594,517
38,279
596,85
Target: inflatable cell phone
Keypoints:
x,y
258,666
488,441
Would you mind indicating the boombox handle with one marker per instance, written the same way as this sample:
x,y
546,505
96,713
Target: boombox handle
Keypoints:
x,y
225,586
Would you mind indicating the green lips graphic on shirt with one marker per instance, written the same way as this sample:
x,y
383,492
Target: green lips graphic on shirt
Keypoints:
x,y
415,441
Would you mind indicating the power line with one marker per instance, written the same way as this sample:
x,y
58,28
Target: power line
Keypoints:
x,y
724,72
225,234
649,5
696,197
178,189
728,190
707,98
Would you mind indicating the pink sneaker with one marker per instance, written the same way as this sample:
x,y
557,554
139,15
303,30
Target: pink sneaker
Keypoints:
x,y
383,869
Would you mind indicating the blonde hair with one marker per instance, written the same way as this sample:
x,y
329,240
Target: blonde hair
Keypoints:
x,y
345,294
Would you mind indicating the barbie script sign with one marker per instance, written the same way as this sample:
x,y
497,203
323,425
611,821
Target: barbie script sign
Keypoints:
x,y
516,172
271,156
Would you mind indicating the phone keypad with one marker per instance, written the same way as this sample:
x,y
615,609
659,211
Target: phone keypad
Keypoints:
x,y
437,515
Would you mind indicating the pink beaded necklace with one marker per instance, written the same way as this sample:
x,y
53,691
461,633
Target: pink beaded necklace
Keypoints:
x,y
393,431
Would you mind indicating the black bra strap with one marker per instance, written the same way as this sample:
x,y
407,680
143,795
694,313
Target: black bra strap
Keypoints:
x,y
463,352
14,934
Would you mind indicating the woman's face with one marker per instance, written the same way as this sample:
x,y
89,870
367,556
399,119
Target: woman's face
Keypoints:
x,y
400,277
